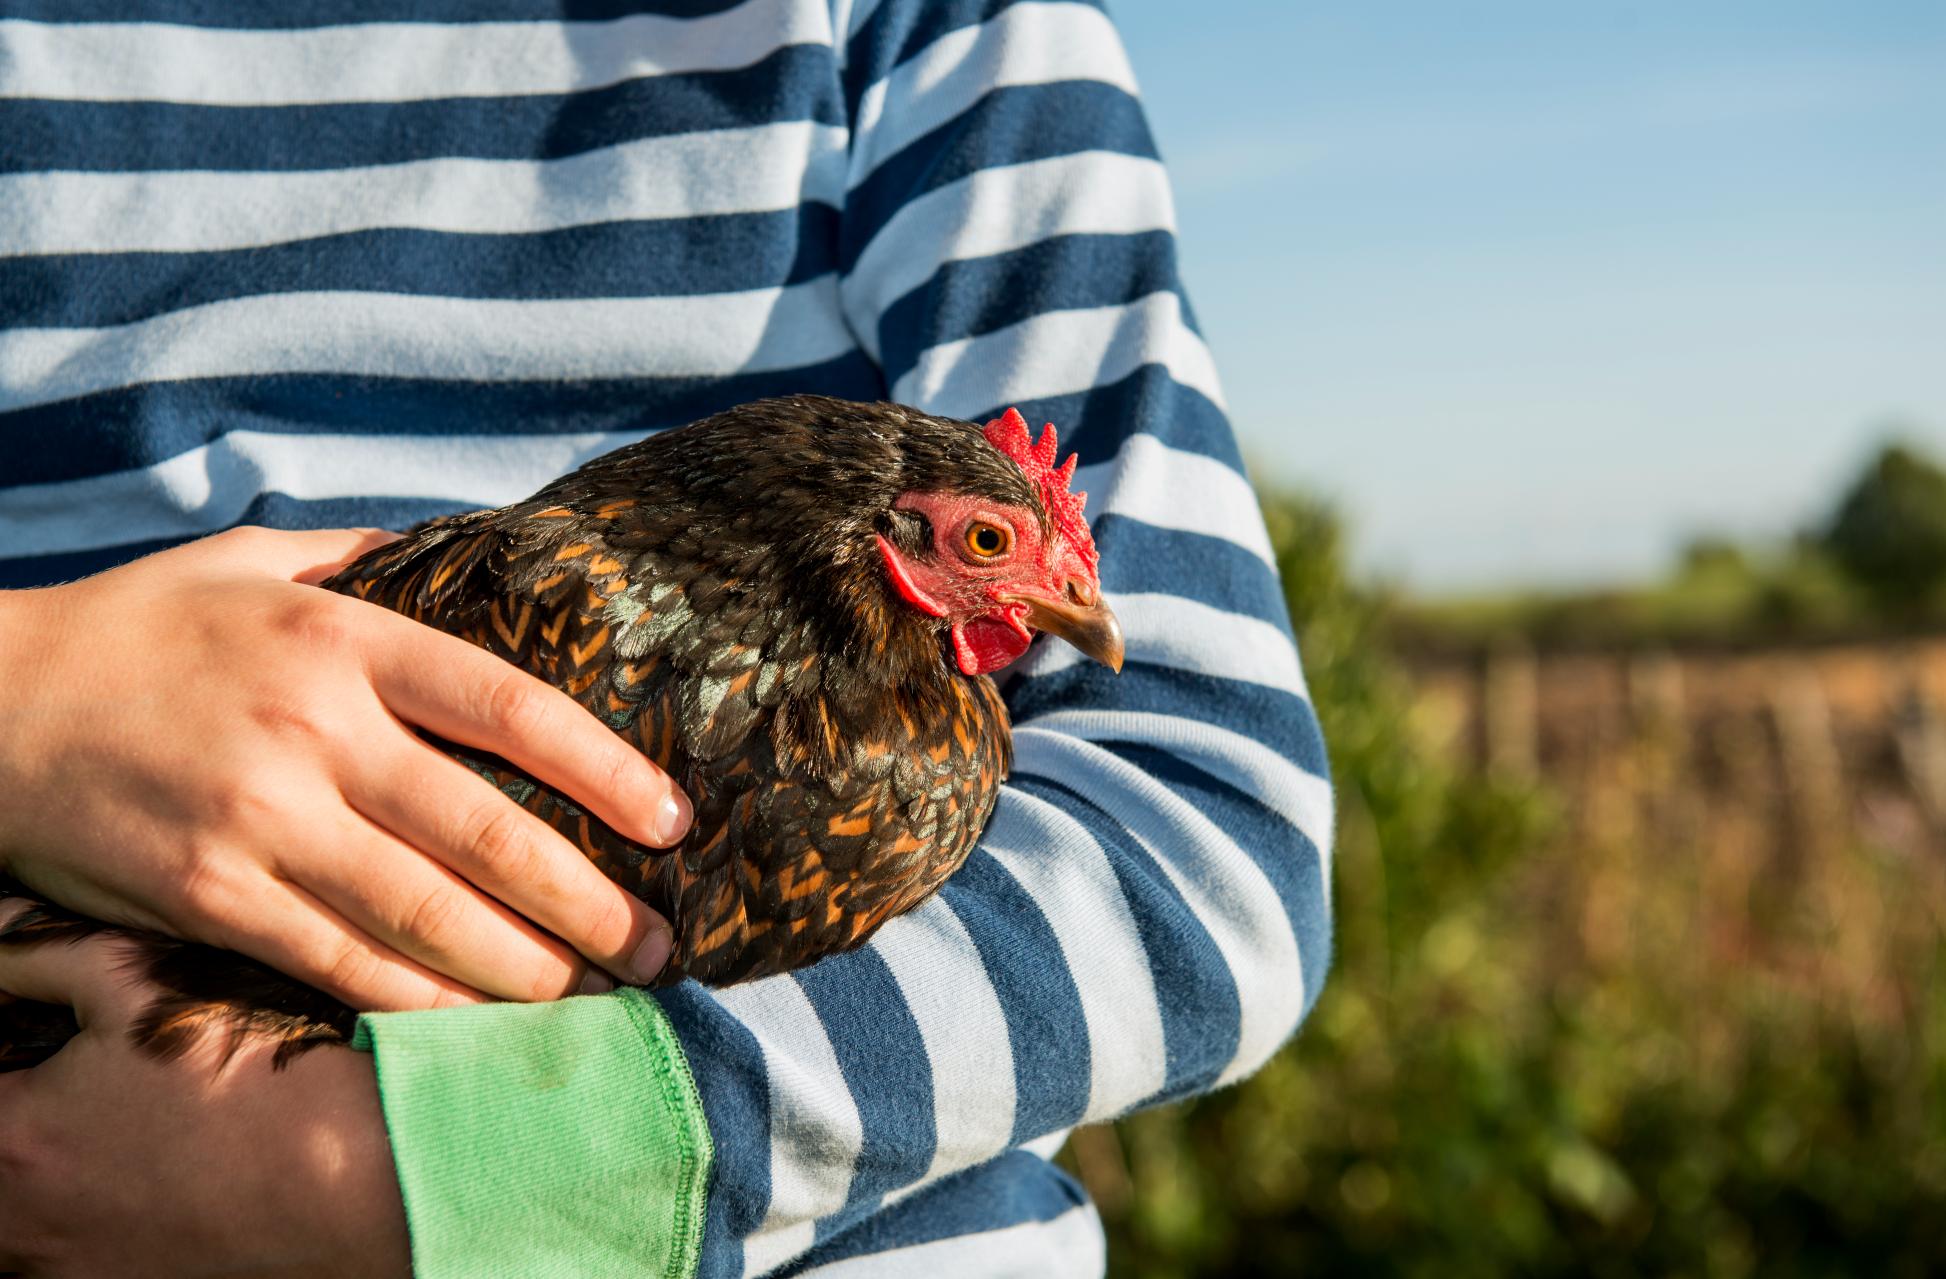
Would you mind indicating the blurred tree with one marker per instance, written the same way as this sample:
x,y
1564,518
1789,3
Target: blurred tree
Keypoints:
x,y
1713,554
1889,532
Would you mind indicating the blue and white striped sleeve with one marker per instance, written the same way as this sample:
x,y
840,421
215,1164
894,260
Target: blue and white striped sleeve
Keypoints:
x,y
1147,915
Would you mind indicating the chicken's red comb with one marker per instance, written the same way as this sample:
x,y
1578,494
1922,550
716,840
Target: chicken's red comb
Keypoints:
x,y
1009,434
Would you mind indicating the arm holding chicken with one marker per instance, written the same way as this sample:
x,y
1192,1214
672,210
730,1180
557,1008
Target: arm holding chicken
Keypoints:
x,y
793,607
868,707
180,789
204,744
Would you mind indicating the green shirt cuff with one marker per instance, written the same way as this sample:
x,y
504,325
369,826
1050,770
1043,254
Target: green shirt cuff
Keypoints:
x,y
541,1140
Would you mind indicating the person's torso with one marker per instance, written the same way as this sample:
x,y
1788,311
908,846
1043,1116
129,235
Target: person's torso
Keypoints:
x,y
310,275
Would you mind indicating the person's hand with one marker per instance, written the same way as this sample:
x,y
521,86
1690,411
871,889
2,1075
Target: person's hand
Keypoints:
x,y
203,743
116,1163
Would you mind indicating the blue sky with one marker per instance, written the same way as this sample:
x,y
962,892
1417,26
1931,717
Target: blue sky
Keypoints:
x,y
1538,290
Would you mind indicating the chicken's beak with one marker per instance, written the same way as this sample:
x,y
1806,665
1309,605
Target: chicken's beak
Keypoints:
x,y
1090,627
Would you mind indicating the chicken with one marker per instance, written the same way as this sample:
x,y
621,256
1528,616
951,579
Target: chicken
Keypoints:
x,y
794,607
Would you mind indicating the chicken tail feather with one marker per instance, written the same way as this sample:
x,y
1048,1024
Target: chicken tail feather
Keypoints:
x,y
201,991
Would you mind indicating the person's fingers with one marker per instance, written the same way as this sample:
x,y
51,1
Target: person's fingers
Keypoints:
x,y
438,805
309,555
395,892
298,934
89,975
467,695
334,557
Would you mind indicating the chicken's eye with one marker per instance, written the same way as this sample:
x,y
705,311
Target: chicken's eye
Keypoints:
x,y
985,540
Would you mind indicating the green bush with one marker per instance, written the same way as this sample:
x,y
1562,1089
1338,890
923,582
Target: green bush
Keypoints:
x,y
1527,1060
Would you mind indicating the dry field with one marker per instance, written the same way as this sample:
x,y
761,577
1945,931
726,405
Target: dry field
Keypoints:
x,y
1772,817
1640,970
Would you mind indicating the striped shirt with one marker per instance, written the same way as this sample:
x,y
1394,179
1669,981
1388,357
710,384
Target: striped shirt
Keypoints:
x,y
326,262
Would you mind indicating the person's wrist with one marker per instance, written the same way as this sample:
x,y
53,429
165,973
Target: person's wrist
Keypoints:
x,y
347,1166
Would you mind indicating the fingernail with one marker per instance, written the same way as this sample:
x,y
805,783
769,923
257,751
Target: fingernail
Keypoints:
x,y
596,983
652,954
672,818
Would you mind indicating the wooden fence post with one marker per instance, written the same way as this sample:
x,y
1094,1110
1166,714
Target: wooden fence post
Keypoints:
x,y
1807,749
1510,709
1919,734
